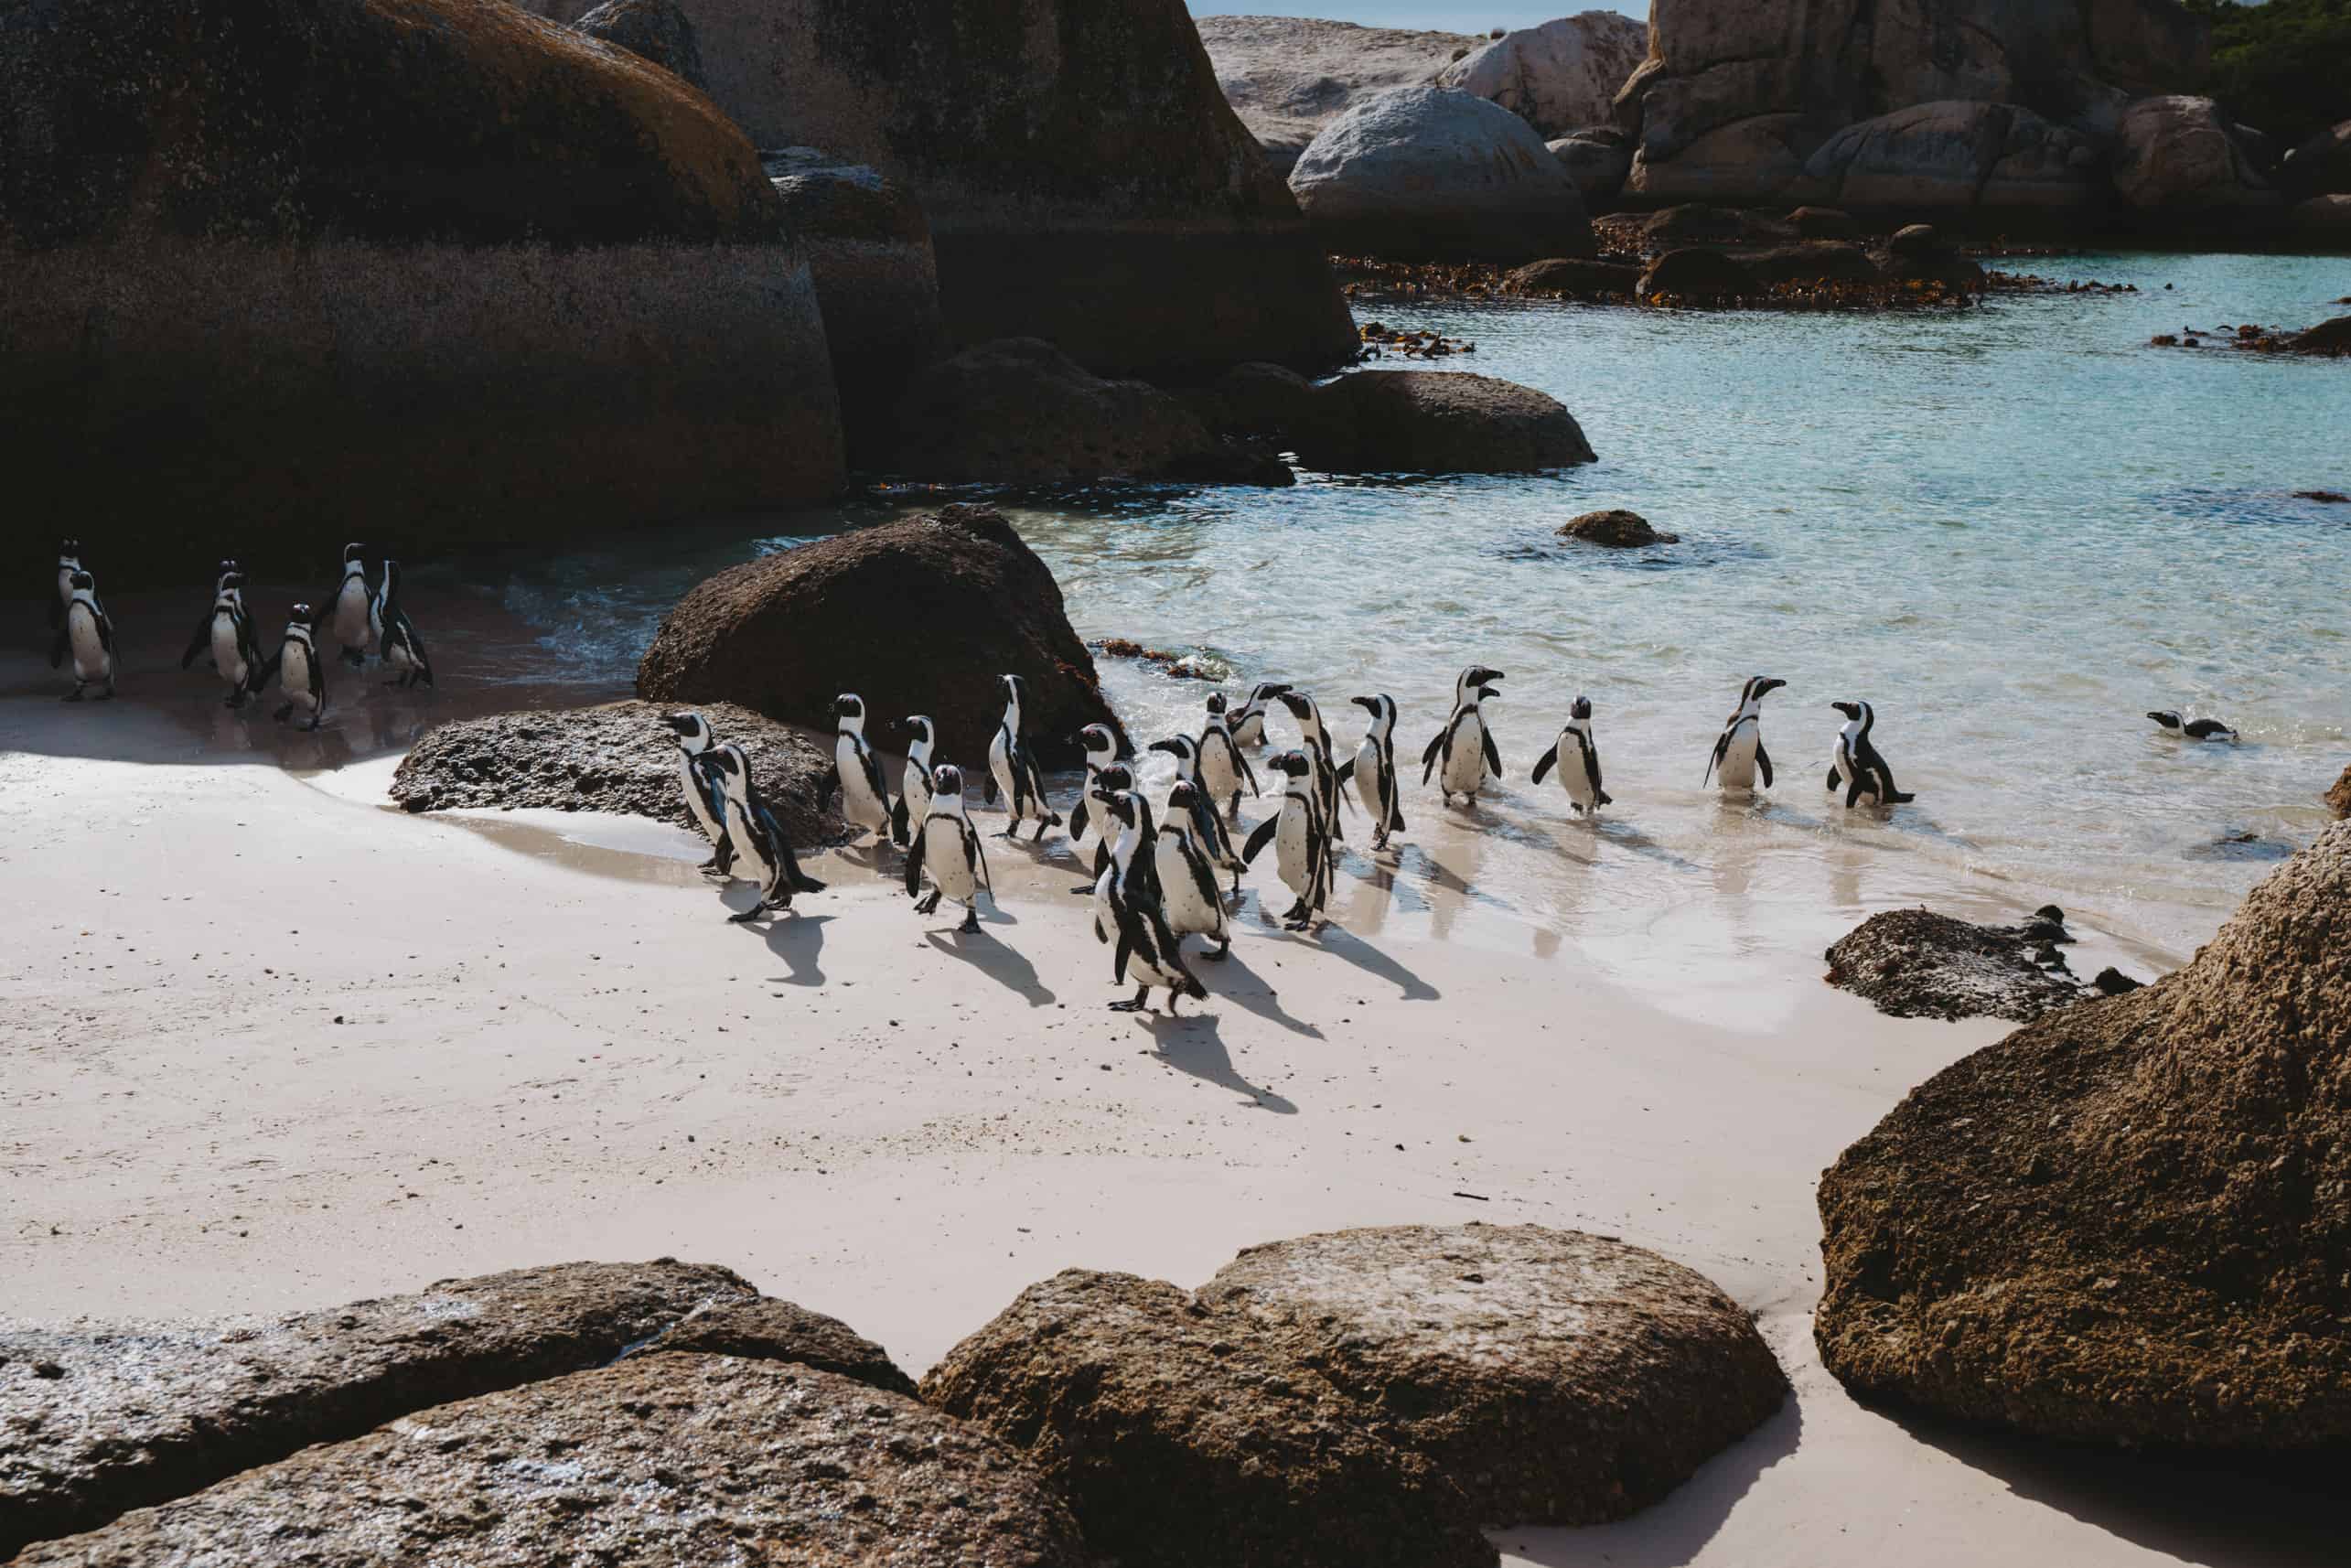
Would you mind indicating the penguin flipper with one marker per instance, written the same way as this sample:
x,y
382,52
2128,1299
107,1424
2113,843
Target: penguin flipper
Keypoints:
x,y
980,858
1763,761
1429,757
1259,838
1126,946
197,644
1833,779
899,821
914,854
828,783
1249,773
1493,754
1077,819
1543,763
988,788
1852,792
1722,745
1347,770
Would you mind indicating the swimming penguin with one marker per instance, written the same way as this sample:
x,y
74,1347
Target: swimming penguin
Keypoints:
x,y
69,562
395,635
1373,769
864,798
913,784
1128,909
2193,729
759,838
347,612
704,787
1216,843
947,846
298,670
88,634
1858,770
1101,750
1463,753
1222,767
1301,855
1248,722
1013,771
1577,757
1317,747
1186,871
1739,751
228,632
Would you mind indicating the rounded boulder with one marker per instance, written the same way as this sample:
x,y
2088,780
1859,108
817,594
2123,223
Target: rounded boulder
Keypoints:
x,y
1439,421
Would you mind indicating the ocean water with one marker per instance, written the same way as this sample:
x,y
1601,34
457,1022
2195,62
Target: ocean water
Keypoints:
x,y
2013,529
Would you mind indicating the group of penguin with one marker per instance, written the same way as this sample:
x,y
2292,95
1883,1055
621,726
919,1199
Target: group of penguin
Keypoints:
x,y
362,617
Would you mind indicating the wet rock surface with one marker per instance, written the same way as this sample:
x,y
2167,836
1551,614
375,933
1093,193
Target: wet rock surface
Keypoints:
x,y
660,1461
1615,528
617,758
1915,964
1439,421
2127,1222
2328,339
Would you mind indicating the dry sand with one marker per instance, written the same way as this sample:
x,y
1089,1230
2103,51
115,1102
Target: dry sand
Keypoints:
x,y
270,1045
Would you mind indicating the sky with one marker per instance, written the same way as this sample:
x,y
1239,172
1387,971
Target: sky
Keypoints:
x,y
1442,16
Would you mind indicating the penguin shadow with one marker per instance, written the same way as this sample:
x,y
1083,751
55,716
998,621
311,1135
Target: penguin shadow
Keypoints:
x,y
1000,964
1193,1045
1442,878
794,937
1257,997
1345,945
1623,835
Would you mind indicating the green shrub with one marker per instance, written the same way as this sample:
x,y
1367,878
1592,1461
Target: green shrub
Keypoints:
x,y
2283,67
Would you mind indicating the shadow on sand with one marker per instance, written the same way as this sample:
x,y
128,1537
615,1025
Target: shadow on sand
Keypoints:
x,y
1254,994
798,940
1000,964
1191,1044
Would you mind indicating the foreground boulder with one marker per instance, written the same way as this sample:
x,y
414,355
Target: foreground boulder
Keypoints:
x,y
1558,75
767,1329
2179,156
1287,77
918,616
618,758
2127,1222
1915,964
666,1459
1616,529
1438,422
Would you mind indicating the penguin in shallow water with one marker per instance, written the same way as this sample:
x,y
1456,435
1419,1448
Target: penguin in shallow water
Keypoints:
x,y
1128,909
947,846
1102,749
1577,757
227,631
69,562
300,674
88,634
1223,769
1858,770
1012,768
759,838
395,634
1186,871
1372,769
1463,754
914,784
864,798
1739,753
1215,842
1300,856
346,611
704,786
2193,729
1248,720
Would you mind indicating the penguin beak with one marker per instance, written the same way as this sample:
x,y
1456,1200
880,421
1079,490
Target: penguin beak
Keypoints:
x,y
1485,675
1169,746
1368,704
680,723
1768,684
1487,694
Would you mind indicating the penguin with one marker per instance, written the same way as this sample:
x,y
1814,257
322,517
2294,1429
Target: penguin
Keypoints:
x,y
1249,724
864,798
1296,831
69,562
1317,747
1463,753
347,612
705,788
1113,777
1223,768
1215,842
1858,770
947,846
1577,757
759,838
1101,750
227,631
2193,729
913,784
1739,751
1187,873
1128,909
87,633
299,672
395,634
1013,771
1372,769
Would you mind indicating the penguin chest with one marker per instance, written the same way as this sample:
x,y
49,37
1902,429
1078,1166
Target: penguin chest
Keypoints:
x,y
1575,773
917,794
294,673
1186,910
1106,915
351,614
1464,761
1293,849
1217,769
1000,763
697,803
1249,730
857,801
396,651
1367,772
1738,769
948,859
751,843
227,657
90,659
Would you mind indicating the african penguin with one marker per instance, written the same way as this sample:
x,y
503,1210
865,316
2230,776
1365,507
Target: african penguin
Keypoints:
x,y
864,798
1249,721
1296,833
88,634
1739,751
395,635
1013,771
227,631
1316,738
300,674
947,846
1113,777
2193,729
704,787
1216,841
347,612
1373,769
1462,753
1101,750
914,784
69,562
1577,757
759,838
1129,911
1858,770
1187,872
1223,768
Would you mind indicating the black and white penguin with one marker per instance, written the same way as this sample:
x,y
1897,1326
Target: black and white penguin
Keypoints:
x,y
299,672
395,635
1296,831
947,846
1248,720
87,633
759,838
1317,738
1858,770
1577,757
913,784
1216,841
1372,769
227,631
1464,754
69,562
1101,750
1223,769
347,612
1128,908
1186,871
1113,777
864,798
2193,729
704,786
1012,769
1739,751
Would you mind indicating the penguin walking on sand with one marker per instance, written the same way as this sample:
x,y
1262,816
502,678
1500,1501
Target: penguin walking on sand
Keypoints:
x,y
1301,854
1186,871
1111,778
1858,770
227,632
1739,753
347,612
397,642
69,562
1463,754
1223,769
1102,749
1215,841
1372,770
2193,729
864,798
913,808
1577,757
1012,769
87,633
1249,719
300,674
1128,909
1317,736
703,785
759,838
947,846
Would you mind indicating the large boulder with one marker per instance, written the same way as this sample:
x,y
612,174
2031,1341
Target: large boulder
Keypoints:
x,y
1597,160
917,617
1287,77
1438,422
1956,156
444,272
2127,1222
2178,156
1558,75
1424,173
2321,165
658,29
657,1462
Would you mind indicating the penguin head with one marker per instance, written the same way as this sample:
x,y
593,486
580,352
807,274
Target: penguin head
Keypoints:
x,y
1100,744
690,728
1217,705
69,552
351,553
1292,763
1851,710
947,784
1581,711
1269,690
1758,686
733,768
919,726
300,618
1301,706
1471,687
1179,747
850,709
1116,776
391,574
1123,805
1181,801
2163,716
1382,709
1013,689
81,581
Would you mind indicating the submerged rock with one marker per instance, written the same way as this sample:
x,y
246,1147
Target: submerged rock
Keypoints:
x,y
1915,964
659,30
1617,529
2328,338
2127,1222
1439,421
1287,77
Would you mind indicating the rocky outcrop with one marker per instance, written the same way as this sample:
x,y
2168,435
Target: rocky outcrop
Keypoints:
x,y
618,758
1692,223
1255,401
1287,77
1616,529
2127,1222
918,616
1920,254
1438,422
1558,75
1825,223
666,1459
2320,216
2328,339
1423,174
2338,798
1915,964
1956,156
2178,156
2321,165
1597,160
659,30
1575,278
767,1329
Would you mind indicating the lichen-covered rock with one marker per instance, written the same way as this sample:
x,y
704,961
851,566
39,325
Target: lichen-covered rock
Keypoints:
x,y
617,758
767,1329
1557,75
1287,77
1439,421
659,1462
1915,964
658,29
1957,156
2178,155
1616,529
1573,277
2127,1222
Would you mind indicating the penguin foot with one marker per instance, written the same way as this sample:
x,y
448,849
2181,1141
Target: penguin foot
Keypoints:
x,y
1082,889
929,904
1011,833
971,926
744,918
356,660
72,696
1043,822
1224,951
1137,1005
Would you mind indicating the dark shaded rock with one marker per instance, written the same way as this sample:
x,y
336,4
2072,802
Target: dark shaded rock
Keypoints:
x,y
787,633
1597,161
1691,224
2338,798
1576,278
1287,77
2178,156
1697,272
1617,529
1439,421
1915,239
1234,460
142,1412
1814,262
2127,1222
659,30
2323,497
2328,337
766,1330
1920,254
2323,216
1915,964
617,758
1253,400
2321,165
1825,223
1958,156
659,1462
2112,981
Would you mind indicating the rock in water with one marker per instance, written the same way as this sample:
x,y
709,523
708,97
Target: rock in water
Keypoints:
x,y
659,1462
1439,421
658,29
2177,157
1558,75
1577,279
1915,964
1287,77
2127,1222
917,617
1423,174
1617,529
1696,273
2329,339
